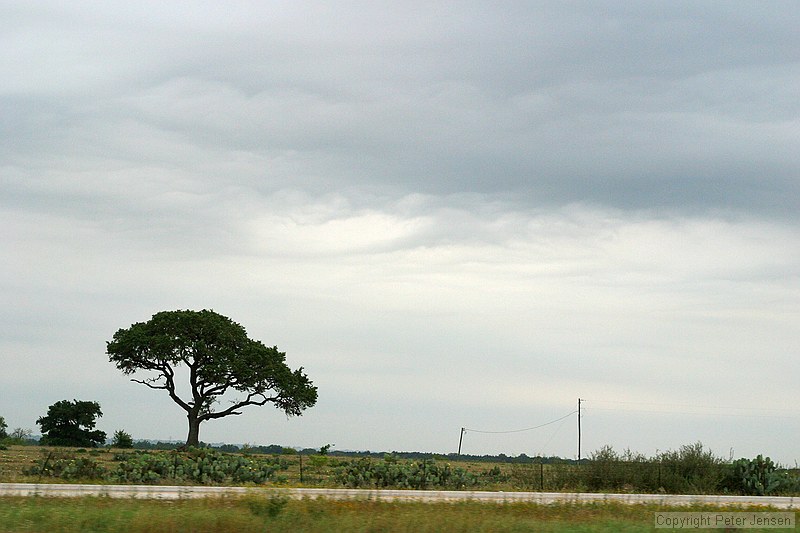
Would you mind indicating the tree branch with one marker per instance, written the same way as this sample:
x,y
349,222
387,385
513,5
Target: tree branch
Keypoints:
x,y
168,374
149,382
219,389
232,409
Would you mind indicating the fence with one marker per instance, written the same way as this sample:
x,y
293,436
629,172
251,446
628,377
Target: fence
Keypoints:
x,y
619,477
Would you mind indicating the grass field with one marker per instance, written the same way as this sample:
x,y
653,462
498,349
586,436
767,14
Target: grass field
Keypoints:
x,y
53,515
695,472
306,471
278,513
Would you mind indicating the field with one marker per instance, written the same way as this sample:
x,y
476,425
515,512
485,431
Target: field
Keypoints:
x,y
53,515
295,470
691,470
277,513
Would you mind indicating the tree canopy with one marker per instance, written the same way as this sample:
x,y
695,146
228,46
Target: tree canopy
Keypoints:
x,y
71,423
122,439
220,359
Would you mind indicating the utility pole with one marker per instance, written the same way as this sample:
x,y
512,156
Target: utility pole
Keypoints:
x,y
579,430
460,439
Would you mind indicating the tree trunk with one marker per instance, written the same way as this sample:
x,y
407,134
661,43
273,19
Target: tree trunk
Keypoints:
x,y
194,431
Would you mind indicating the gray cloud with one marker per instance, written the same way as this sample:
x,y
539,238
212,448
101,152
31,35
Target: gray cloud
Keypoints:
x,y
491,206
666,106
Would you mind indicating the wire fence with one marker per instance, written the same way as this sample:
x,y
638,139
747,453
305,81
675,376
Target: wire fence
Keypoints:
x,y
620,477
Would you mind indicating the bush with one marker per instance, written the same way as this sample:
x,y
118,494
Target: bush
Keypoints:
x,y
198,465
201,466
691,469
416,475
608,470
63,466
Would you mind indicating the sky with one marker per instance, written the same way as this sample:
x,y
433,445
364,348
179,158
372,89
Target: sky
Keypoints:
x,y
450,214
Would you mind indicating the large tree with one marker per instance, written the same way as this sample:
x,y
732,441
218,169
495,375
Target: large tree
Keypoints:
x,y
71,423
220,359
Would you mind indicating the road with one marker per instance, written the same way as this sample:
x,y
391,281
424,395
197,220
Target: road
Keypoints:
x,y
178,492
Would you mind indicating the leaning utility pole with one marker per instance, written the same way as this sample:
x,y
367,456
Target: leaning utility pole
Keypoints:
x,y
460,439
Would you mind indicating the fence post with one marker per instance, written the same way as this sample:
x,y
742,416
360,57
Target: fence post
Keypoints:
x,y
541,475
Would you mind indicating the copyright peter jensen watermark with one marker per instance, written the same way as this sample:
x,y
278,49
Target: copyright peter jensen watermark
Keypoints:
x,y
742,520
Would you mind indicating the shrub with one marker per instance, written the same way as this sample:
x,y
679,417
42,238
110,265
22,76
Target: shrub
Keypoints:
x,y
65,466
691,469
416,475
608,470
198,465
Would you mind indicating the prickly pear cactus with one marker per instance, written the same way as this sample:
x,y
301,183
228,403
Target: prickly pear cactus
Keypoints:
x,y
758,477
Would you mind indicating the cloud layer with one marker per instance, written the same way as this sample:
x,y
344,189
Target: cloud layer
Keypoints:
x,y
450,214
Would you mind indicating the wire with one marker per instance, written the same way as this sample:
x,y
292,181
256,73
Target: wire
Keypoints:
x,y
696,413
558,428
526,429
700,406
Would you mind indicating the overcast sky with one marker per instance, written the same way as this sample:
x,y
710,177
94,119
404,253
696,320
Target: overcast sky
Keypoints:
x,y
461,214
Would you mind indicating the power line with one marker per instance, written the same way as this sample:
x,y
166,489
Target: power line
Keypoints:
x,y
558,428
701,406
525,429
695,413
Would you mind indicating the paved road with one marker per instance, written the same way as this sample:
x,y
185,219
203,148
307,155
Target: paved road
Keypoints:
x,y
174,492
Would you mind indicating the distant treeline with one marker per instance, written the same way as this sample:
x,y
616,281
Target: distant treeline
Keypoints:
x,y
276,449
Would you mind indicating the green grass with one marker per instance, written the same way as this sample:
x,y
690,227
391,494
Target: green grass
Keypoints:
x,y
277,514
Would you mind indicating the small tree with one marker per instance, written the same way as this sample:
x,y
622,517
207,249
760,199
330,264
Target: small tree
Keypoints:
x,y
220,358
3,427
21,435
70,423
122,439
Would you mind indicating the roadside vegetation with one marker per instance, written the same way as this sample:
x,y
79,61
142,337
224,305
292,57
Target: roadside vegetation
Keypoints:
x,y
689,470
279,514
